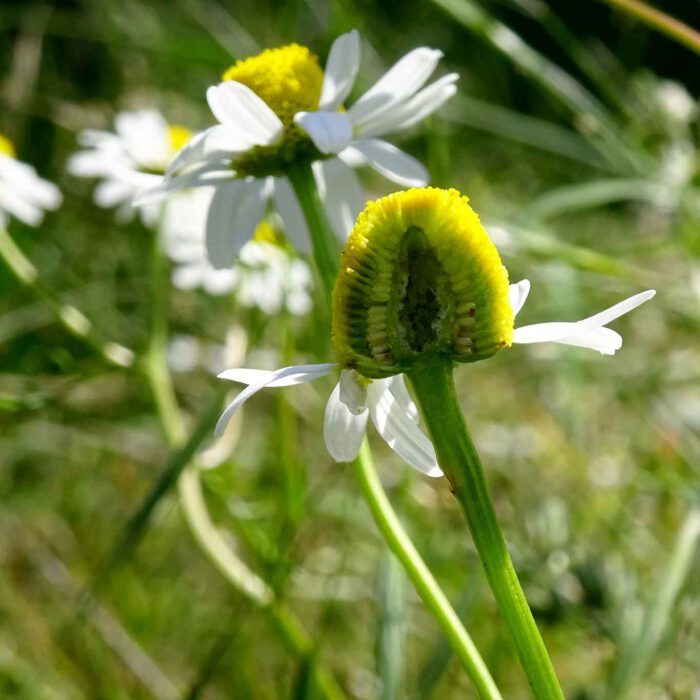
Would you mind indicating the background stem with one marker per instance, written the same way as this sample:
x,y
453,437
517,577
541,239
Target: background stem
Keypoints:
x,y
432,381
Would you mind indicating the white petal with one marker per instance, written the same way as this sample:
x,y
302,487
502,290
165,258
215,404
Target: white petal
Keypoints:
x,y
619,309
407,76
341,70
258,376
589,333
341,194
517,295
331,132
605,340
238,107
293,220
353,391
281,377
392,163
410,111
343,431
395,422
236,209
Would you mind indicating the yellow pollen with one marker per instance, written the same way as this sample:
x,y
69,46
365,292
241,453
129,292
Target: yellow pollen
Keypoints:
x,y
288,79
419,274
178,136
6,147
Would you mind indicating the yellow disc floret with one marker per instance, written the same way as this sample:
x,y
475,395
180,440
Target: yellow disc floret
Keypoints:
x,y
289,80
6,147
178,136
419,274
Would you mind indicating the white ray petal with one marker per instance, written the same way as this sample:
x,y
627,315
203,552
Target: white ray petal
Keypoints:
x,y
411,111
287,376
353,391
243,375
238,107
395,422
331,132
293,220
341,194
392,163
235,210
517,295
341,70
605,340
619,309
343,430
402,80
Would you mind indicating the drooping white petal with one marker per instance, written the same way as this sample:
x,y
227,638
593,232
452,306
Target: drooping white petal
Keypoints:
x,y
331,132
19,207
395,421
517,295
353,391
286,376
205,175
341,194
259,376
236,209
407,76
239,108
605,340
392,163
293,220
410,111
588,333
341,70
343,430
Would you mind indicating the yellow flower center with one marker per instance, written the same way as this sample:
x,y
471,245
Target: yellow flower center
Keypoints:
x,y
419,274
6,147
178,136
289,80
264,233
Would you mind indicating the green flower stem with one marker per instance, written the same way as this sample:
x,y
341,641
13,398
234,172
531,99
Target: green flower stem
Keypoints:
x,y
325,245
425,584
72,318
327,255
432,381
192,500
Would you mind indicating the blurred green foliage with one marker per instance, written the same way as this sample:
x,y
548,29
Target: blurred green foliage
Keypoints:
x,y
575,149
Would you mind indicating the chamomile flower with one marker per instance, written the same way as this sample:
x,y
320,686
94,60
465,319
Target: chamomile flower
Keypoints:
x,y
264,276
419,276
23,194
280,109
128,161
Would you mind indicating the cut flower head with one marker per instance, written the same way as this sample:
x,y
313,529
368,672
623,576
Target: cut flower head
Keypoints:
x,y
23,194
278,110
419,275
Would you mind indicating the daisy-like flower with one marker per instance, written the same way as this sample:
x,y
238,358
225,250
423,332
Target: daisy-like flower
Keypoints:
x,y
419,276
280,109
129,161
23,194
264,276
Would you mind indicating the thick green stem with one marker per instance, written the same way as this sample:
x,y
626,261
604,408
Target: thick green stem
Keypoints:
x,y
432,381
325,245
327,254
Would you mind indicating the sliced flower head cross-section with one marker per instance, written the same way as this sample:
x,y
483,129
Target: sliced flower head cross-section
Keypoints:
x,y
23,194
419,275
280,109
